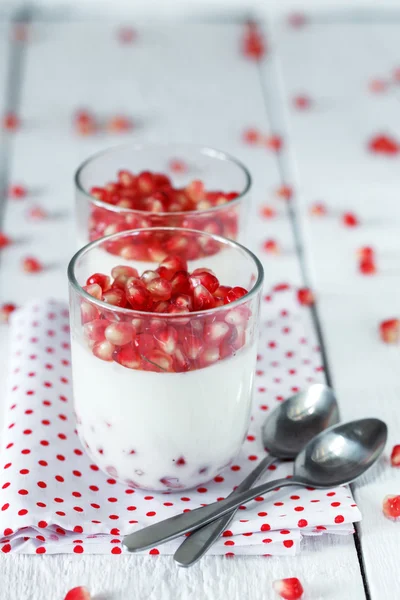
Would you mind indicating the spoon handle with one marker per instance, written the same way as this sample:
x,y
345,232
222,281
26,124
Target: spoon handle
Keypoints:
x,y
200,540
171,528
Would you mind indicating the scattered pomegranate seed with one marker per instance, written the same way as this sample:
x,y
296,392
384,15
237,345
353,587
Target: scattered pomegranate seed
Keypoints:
x,y
318,209
350,220
297,20
119,124
305,297
5,312
289,589
377,86
391,507
302,102
383,144
251,136
37,213
268,212
367,266
178,166
11,122
395,456
126,35
17,192
389,331
84,122
253,46
78,593
4,240
285,192
271,246
31,265
366,253
274,142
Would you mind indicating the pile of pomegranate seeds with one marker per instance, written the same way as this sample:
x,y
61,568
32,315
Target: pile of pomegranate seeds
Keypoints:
x,y
389,331
391,507
152,194
366,260
395,456
78,593
162,344
5,312
289,588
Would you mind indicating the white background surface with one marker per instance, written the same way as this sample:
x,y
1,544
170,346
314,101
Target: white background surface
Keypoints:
x,y
189,82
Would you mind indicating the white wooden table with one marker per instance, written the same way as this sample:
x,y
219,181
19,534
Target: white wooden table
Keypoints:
x,y
188,82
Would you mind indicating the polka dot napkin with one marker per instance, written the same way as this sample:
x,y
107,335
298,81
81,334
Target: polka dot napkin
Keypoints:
x,y
54,499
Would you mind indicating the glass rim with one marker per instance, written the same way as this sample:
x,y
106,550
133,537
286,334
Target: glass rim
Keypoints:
x,y
208,150
118,309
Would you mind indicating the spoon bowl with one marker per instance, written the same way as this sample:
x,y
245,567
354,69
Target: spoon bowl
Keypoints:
x,y
341,454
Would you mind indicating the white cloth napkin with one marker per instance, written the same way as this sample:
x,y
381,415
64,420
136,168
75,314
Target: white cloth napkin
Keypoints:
x,y
53,499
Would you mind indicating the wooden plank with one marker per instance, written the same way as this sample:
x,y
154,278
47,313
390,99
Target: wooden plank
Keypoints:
x,y
182,83
334,65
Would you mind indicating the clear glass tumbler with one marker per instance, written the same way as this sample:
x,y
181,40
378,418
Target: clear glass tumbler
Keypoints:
x,y
161,185
162,388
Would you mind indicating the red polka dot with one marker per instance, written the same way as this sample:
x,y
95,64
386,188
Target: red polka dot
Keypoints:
x,y
8,531
151,513
116,550
285,531
335,503
114,517
113,482
218,479
253,457
288,543
59,500
185,499
78,529
6,548
42,524
77,473
44,443
41,504
299,508
339,519
229,543
331,494
25,451
24,471
168,504
60,513
227,533
262,514
5,485
154,551
302,523
295,497
43,463
59,478
78,509
94,488
42,484
265,527
23,492
41,550
267,541
27,431
22,512
235,468
45,422
78,549
278,503
202,490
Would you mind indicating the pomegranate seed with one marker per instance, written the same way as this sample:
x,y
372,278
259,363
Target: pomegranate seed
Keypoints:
x,y
156,252
377,86
209,356
207,280
251,136
302,102
149,276
159,359
391,507
305,297
4,241
170,266
178,166
285,192
137,295
367,266
238,316
119,124
383,144
253,46
181,361
390,331
37,213
202,299
366,253
274,142
216,332
234,294
160,289
5,312
124,270
31,265
11,122
94,330
183,301
395,456
102,280
126,35
167,339
104,350
128,357
161,307
84,122
318,209
222,292
94,290
268,212
116,297
88,312
78,593
145,343
17,192
289,588
180,283
350,220
119,334
192,346
271,246
195,190
145,182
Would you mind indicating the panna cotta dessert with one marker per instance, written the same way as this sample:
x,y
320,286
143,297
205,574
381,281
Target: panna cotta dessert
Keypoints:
x,y
163,359
161,185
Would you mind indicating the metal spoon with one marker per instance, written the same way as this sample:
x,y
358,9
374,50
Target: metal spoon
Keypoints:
x,y
285,432
335,457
